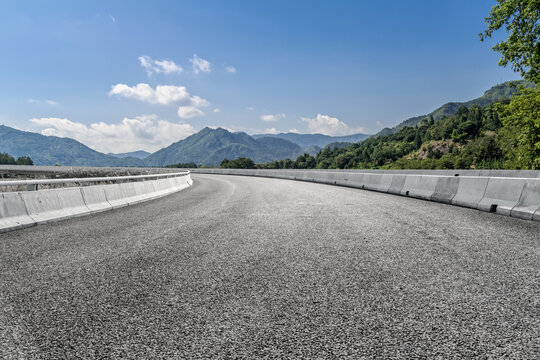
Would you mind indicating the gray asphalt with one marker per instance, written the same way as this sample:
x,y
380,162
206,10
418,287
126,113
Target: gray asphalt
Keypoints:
x,y
242,267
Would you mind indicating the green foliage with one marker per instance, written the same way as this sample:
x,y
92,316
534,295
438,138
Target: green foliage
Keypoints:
x,y
6,159
521,19
240,163
497,93
521,119
189,165
24,160
305,161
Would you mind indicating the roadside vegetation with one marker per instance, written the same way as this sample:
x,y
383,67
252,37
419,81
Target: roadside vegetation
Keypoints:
x,y
6,159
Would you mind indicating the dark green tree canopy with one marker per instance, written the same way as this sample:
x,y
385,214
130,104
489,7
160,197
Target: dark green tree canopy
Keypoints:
x,y
521,19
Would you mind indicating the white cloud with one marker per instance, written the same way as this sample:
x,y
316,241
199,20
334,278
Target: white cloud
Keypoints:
x,y
159,66
324,124
250,108
271,131
113,19
230,69
294,131
146,132
200,65
214,127
270,117
216,110
164,95
379,124
47,102
188,112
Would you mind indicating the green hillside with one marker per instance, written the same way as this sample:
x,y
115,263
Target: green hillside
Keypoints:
x,y
498,92
504,134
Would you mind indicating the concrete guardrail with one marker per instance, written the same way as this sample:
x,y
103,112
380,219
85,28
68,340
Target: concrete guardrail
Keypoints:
x,y
28,208
511,193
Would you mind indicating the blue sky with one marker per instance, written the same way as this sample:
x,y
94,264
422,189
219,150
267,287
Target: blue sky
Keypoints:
x,y
128,75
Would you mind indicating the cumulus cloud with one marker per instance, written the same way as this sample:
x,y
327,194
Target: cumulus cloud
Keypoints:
x,y
324,124
164,95
146,132
271,131
188,112
294,131
216,110
272,117
199,64
159,66
46,102
230,69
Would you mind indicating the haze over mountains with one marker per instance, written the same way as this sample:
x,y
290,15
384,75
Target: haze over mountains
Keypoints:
x,y
318,140
209,146
141,154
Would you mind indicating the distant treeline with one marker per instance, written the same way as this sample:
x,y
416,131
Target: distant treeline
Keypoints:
x,y
504,135
182,165
6,159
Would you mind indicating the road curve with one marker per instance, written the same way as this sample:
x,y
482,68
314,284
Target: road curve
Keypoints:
x,y
243,267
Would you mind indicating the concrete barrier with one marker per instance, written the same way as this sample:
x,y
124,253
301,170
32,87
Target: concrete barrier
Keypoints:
x,y
470,191
419,186
528,205
397,184
378,182
478,189
95,198
446,189
54,204
13,214
28,208
501,195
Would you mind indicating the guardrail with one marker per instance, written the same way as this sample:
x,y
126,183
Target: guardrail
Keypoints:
x,y
512,196
28,208
34,184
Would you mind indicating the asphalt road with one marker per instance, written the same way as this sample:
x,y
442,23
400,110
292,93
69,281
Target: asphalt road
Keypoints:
x,y
241,267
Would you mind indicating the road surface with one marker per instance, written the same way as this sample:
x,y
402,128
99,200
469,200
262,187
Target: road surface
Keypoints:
x,y
243,267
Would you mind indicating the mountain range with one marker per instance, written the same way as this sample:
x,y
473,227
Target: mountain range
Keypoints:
x,y
140,154
207,147
211,146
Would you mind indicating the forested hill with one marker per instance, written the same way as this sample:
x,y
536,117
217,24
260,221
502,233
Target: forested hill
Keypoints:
x,y
211,146
502,135
502,91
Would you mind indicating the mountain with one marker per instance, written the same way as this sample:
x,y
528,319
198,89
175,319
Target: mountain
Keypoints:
x,y
498,92
141,154
320,140
211,146
50,150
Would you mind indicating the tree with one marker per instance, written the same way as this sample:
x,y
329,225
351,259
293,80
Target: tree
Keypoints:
x,y
24,160
521,18
521,119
